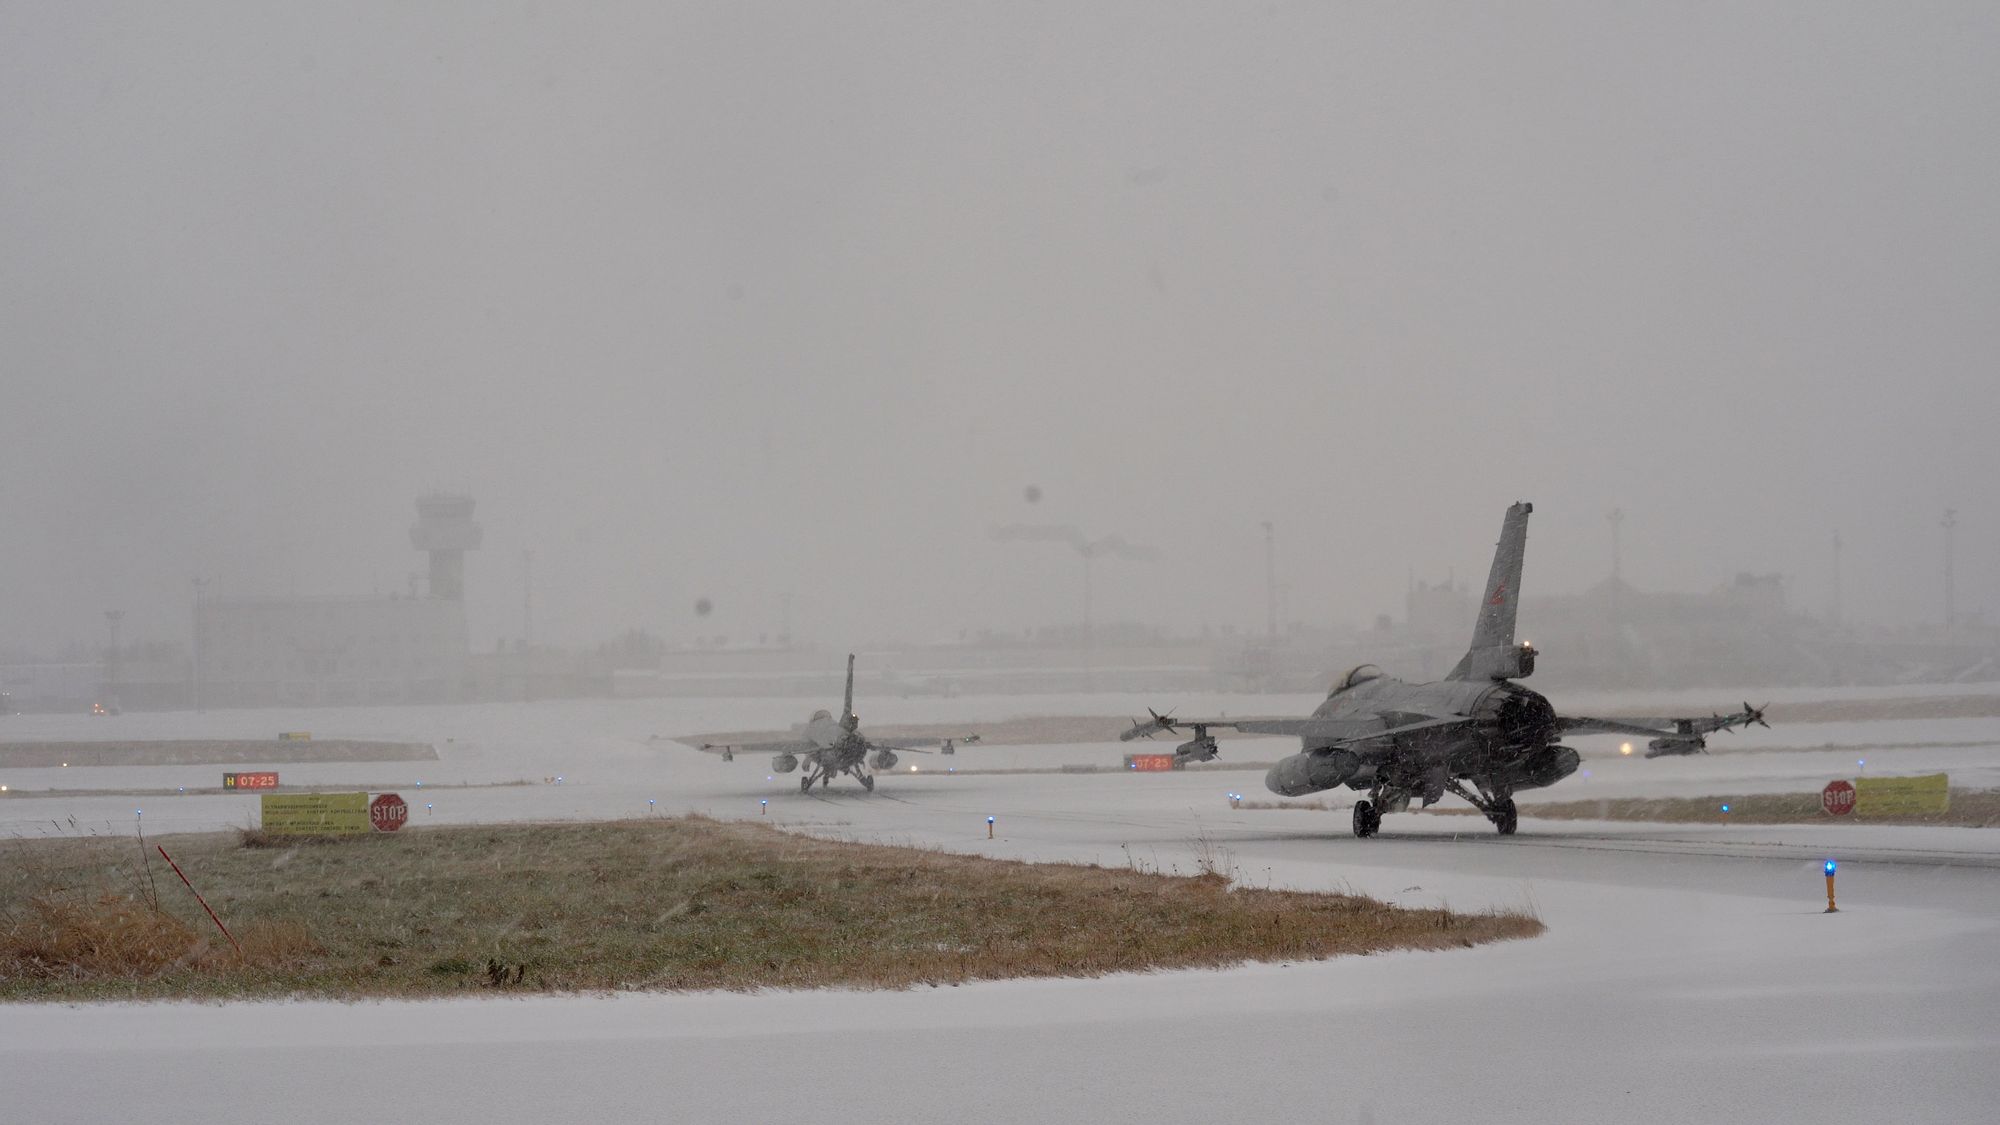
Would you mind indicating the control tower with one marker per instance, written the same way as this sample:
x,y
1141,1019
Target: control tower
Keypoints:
x,y
444,528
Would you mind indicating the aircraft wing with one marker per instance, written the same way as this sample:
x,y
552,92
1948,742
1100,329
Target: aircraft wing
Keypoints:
x,y
1340,732
912,744
1581,725
788,746
1669,735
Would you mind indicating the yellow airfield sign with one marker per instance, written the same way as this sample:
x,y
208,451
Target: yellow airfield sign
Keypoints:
x,y
1902,796
316,814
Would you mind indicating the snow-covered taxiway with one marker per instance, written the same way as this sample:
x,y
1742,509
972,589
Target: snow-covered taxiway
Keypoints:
x,y
1688,974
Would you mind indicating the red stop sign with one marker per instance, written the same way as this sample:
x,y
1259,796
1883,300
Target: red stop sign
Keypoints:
x,y
388,812
1837,798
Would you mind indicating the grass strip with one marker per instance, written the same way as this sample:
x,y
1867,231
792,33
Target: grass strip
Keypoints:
x,y
654,904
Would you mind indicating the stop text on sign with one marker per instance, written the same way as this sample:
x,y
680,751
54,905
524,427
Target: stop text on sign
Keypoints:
x,y
388,812
1837,798
268,780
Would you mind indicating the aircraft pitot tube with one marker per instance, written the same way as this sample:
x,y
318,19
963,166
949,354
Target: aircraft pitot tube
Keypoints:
x,y
1311,772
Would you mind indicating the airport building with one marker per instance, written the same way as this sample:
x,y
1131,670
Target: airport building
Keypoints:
x,y
399,648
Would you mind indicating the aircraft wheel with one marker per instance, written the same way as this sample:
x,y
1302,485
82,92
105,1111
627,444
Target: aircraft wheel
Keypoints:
x,y
1504,817
805,783
1366,820
868,783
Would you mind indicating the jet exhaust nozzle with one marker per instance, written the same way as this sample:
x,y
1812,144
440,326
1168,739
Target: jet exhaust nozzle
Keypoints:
x,y
1311,772
1547,766
784,763
882,760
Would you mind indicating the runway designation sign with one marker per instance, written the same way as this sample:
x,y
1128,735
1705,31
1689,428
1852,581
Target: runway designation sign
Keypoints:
x,y
1902,796
1837,798
315,814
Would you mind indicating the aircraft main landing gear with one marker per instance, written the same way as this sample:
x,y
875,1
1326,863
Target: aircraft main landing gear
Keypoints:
x,y
867,781
1367,820
1500,810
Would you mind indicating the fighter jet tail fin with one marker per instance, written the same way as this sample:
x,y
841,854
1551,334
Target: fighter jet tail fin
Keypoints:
x,y
1494,655
847,701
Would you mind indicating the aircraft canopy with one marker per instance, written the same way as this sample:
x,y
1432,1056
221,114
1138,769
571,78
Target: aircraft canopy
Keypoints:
x,y
1359,674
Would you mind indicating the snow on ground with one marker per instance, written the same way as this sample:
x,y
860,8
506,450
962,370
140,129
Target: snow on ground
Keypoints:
x,y
1688,973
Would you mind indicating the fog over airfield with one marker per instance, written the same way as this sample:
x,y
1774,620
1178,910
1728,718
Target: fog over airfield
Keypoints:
x,y
738,300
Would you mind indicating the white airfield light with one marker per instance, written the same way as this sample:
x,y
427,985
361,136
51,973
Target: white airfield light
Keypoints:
x,y
1626,749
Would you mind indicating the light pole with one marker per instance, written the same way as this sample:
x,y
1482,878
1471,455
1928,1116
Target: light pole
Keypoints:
x,y
1089,549
111,619
1950,525
528,598
1616,517
198,584
1270,583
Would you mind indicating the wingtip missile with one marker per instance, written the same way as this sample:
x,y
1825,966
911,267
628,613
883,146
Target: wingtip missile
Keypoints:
x,y
1150,727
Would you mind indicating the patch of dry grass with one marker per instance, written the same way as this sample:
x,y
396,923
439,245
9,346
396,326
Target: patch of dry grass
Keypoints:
x,y
1969,808
649,904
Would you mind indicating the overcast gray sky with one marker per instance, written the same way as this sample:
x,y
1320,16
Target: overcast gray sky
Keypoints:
x,y
730,300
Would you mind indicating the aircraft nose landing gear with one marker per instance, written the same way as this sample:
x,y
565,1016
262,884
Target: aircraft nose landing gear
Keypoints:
x,y
1503,816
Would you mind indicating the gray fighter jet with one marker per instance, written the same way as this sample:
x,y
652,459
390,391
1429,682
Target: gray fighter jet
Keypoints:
x,y
1476,733
829,747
